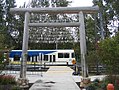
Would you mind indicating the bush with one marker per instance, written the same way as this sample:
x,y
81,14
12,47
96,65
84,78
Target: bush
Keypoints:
x,y
7,79
8,82
114,79
16,88
102,85
94,85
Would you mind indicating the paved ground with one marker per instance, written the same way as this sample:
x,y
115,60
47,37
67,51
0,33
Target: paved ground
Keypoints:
x,y
56,78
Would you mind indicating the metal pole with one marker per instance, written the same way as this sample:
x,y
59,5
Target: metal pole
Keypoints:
x,y
25,46
56,45
101,21
101,25
82,43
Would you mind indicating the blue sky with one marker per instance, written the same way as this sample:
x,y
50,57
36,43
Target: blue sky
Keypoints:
x,y
75,3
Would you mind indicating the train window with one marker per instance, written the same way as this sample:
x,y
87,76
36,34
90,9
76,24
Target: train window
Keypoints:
x,y
60,55
16,58
28,58
50,58
36,58
72,55
32,59
45,57
66,55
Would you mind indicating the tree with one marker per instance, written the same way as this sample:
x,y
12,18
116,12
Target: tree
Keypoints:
x,y
90,32
20,28
2,12
10,22
110,16
112,6
109,54
2,25
92,38
2,40
113,15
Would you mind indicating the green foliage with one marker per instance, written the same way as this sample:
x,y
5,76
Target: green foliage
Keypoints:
x,y
109,54
2,24
60,3
7,21
113,5
10,26
106,13
95,85
7,79
77,51
1,62
8,82
102,85
90,33
91,41
2,40
16,88
92,58
4,60
110,79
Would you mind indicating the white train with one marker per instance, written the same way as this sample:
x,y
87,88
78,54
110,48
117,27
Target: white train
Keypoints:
x,y
47,56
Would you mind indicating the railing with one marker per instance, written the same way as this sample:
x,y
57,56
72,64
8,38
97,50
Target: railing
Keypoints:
x,y
31,69
38,68
91,70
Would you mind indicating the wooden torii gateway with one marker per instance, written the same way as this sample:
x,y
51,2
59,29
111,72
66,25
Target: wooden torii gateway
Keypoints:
x,y
56,10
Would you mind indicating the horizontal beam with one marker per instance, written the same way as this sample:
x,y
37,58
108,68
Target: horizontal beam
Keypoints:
x,y
56,10
75,24
54,41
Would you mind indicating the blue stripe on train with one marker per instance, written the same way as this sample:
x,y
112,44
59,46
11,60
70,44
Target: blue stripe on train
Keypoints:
x,y
30,53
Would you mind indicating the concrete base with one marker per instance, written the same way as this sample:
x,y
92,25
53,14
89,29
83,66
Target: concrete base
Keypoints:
x,y
85,82
23,82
